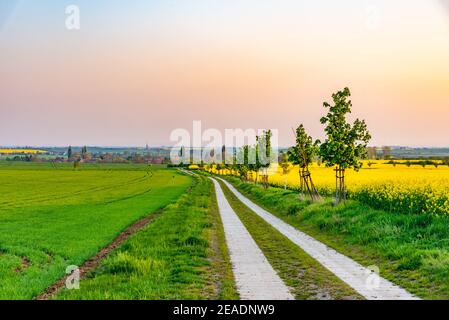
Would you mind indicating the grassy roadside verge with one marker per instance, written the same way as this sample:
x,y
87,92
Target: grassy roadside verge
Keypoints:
x,y
180,255
410,250
305,277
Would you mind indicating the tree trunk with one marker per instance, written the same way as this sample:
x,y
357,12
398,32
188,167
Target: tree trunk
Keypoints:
x,y
308,185
265,178
301,185
340,187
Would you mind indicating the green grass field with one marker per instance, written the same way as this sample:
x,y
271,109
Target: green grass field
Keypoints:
x,y
54,217
181,255
410,249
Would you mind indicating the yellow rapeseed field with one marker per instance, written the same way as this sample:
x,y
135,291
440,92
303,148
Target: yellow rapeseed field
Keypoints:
x,y
399,188
21,151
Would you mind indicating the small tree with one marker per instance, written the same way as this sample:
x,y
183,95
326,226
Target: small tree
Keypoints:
x,y
446,161
345,144
223,158
372,153
83,152
219,168
181,154
243,172
242,166
285,166
302,154
264,155
69,153
254,164
191,156
234,161
386,152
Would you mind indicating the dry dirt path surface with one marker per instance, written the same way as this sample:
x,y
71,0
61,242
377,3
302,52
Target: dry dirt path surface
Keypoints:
x,y
255,277
361,279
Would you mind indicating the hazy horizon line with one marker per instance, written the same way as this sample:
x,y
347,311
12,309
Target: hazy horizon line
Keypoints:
x,y
195,147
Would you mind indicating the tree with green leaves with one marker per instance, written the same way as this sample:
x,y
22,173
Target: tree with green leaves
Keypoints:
x,y
254,160
181,152
345,143
264,155
285,166
243,168
223,158
219,168
181,155
243,172
386,152
233,167
372,153
83,152
445,160
69,153
201,165
303,154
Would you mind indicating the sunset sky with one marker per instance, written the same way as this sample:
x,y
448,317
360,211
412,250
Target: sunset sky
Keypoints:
x,y
138,69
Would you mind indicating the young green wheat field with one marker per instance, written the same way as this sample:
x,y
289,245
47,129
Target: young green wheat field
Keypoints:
x,y
51,218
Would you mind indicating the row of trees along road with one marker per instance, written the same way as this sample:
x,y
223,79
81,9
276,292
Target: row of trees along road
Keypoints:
x,y
345,145
343,148
252,159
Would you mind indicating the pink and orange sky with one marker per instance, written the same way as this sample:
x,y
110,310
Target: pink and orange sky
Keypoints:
x,y
138,69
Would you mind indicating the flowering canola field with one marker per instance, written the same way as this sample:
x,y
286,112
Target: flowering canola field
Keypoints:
x,y
397,188
21,151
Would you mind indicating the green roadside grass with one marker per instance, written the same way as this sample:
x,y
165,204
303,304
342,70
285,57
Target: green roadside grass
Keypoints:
x,y
410,250
180,255
305,277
